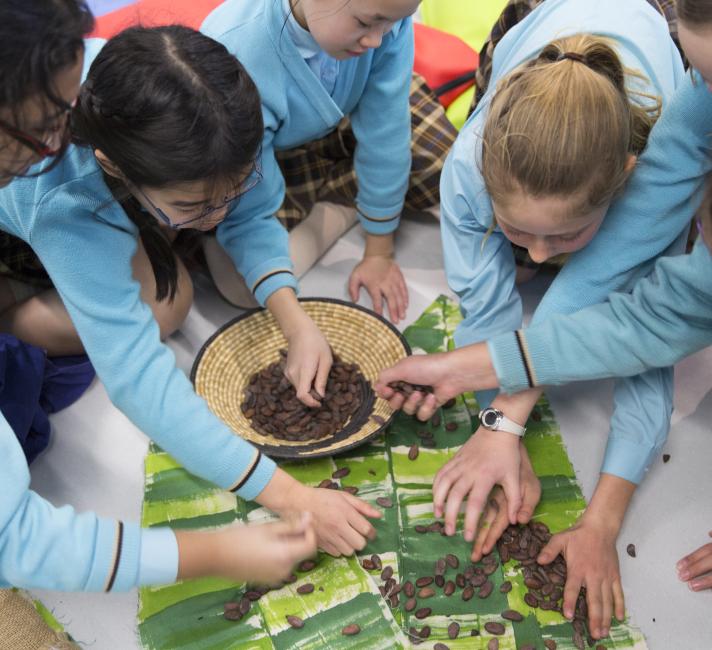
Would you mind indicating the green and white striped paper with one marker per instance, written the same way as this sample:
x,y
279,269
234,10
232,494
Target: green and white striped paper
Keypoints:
x,y
190,614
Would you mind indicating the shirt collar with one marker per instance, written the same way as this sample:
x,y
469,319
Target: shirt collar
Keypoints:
x,y
302,39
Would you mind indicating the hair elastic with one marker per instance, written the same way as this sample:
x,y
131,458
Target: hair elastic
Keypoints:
x,y
572,56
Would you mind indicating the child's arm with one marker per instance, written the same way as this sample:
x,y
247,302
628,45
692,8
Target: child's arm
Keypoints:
x,y
140,374
659,202
381,123
44,547
259,247
479,264
591,557
255,553
666,317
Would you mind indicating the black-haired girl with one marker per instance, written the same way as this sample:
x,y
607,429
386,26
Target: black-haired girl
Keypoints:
x,y
169,124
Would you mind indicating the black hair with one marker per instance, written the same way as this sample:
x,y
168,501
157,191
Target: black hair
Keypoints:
x,y
38,39
166,105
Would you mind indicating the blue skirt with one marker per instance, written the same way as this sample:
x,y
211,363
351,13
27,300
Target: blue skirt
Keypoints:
x,y
33,386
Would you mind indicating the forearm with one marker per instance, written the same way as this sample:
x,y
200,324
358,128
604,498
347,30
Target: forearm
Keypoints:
x,y
285,307
610,502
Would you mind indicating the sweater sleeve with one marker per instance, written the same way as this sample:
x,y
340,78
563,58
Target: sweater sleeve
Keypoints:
x,y
667,317
44,547
640,423
122,338
659,201
480,268
253,237
642,407
381,124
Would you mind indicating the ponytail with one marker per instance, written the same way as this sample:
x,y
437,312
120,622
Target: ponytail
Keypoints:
x,y
564,123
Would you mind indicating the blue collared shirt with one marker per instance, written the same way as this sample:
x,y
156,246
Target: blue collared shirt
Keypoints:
x,y
325,67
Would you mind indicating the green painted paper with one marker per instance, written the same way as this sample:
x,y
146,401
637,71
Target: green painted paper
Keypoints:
x,y
189,614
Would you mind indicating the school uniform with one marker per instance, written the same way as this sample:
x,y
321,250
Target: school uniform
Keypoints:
x,y
668,315
338,129
85,242
481,268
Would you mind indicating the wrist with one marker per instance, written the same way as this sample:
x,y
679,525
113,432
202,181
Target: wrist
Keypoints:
x,y
283,493
199,554
607,524
609,504
379,245
503,438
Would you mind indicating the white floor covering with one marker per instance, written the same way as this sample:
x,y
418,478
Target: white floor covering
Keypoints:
x,y
96,462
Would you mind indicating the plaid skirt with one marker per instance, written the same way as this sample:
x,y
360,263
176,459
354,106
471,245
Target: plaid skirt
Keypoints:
x,y
19,262
323,170
512,14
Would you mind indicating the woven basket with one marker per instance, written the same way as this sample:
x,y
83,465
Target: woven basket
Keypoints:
x,y
252,341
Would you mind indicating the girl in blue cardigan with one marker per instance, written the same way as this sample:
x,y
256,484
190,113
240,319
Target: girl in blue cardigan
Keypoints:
x,y
142,117
575,91
667,316
315,62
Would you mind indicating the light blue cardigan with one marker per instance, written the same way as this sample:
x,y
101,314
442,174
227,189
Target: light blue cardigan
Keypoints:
x,y
483,275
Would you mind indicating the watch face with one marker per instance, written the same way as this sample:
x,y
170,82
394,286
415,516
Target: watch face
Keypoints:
x,y
490,418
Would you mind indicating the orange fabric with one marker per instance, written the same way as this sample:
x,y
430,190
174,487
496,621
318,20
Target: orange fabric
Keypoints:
x,y
150,13
441,57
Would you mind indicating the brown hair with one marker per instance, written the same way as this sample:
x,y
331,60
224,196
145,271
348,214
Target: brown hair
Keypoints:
x,y
694,11
564,123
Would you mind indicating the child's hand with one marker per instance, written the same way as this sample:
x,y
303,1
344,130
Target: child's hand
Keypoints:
x,y
339,520
309,359
448,373
382,278
256,553
692,568
589,548
494,519
488,457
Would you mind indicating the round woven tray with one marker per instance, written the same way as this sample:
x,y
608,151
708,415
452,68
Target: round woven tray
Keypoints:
x,y
250,342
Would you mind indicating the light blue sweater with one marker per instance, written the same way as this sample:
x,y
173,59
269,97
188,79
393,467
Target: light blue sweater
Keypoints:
x,y
86,243
372,90
669,314
483,276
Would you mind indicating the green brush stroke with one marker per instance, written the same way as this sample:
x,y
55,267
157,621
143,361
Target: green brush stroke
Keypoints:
x,y
189,614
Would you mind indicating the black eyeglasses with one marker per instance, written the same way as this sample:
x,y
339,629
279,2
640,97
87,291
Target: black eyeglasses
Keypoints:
x,y
252,180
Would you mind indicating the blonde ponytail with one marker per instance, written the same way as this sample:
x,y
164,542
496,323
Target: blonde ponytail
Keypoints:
x,y
565,124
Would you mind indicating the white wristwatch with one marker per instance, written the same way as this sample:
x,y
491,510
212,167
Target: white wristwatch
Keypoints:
x,y
494,420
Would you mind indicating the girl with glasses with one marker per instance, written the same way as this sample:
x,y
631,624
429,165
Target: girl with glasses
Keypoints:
x,y
168,128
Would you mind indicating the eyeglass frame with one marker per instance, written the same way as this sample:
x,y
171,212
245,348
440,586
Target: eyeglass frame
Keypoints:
x,y
255,175
36,145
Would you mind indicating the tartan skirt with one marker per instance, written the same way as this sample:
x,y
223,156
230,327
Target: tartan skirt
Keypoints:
x,y
323,170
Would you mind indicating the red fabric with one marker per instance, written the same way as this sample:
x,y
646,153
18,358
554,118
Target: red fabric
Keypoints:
x,y
441,57
151,13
